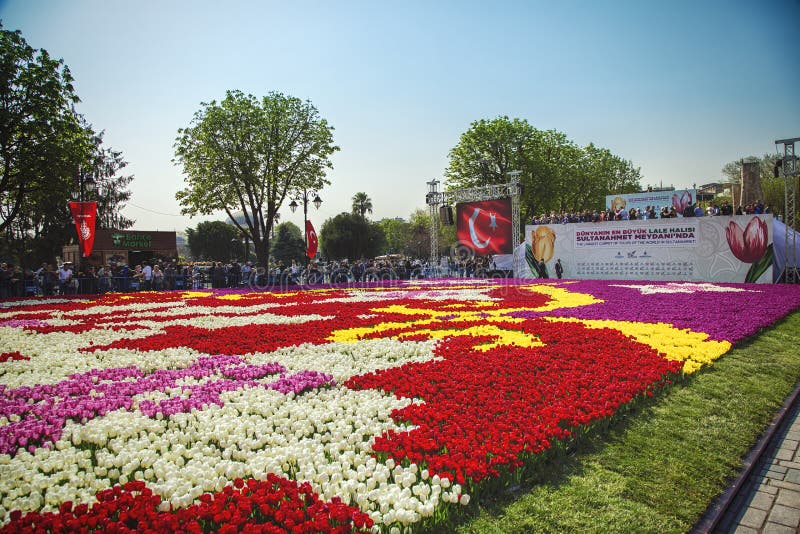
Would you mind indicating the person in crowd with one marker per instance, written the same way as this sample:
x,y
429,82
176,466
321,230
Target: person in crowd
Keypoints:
x,y
147,277
5,280
218,276
124,278
86,280
726,209
559,268
197,277
245,272
158,278
104,275
137,278
65,278
234,274
170,272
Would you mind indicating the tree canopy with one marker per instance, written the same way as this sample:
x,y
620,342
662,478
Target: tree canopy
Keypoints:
x,y
350,236
44,144
362,204
556,173
288,244
214,240
249,155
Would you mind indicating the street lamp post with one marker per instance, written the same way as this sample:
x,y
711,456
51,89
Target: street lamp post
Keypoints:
x,y
86,184
304,198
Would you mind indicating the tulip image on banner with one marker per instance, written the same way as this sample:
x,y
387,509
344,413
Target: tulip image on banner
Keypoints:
x,y
751,245
485,227
311,239
84,215
679,202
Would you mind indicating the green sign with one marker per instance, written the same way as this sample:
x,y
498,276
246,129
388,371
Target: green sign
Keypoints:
x,y
132,240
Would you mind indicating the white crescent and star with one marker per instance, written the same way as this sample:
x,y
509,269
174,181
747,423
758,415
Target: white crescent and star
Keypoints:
x,y
474,236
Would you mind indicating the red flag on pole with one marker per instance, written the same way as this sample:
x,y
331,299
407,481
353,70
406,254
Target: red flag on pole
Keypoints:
x,y
84,215
485,227
311,239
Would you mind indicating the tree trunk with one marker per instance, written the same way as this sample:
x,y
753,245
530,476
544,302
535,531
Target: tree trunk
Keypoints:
x,y
262,251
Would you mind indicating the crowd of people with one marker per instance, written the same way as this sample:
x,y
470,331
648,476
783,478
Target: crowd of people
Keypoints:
x,y
156,275
650,212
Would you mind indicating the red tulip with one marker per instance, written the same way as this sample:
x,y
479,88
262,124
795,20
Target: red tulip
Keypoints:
x,y
748,245
680,202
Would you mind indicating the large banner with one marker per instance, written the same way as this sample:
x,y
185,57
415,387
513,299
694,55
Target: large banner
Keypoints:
x,y
712,249
84,215
658,199
485,227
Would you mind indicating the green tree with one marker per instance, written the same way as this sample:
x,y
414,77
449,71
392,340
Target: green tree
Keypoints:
x,y
350,236
395,232
111,189
37,117
43,144
288,244
214,240
418,238
556,173
362,204
250,155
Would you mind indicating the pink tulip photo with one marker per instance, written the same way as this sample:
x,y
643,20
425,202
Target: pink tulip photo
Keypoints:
x,y
750,244
680,202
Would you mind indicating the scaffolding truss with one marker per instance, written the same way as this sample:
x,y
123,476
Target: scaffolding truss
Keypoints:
x,y
790,173
435,199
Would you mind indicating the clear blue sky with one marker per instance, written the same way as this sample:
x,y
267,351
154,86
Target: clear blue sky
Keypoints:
x,y
678,87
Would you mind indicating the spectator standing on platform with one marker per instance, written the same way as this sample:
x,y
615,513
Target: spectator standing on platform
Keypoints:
x,y
726,209
559,268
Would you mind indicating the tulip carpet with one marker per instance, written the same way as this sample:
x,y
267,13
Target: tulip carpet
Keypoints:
x,y
333,409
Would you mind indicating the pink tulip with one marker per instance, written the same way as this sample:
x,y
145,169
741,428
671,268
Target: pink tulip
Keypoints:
x,y
680,202
748,245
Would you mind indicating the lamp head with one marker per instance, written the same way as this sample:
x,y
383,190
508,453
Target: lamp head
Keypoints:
x,y
89,183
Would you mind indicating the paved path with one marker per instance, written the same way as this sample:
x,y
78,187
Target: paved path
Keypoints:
x,y
769,499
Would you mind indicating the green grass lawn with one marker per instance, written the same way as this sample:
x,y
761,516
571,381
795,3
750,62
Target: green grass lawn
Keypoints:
x,y
658,466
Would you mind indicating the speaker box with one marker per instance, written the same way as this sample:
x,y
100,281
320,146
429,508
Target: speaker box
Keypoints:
x,y
446,215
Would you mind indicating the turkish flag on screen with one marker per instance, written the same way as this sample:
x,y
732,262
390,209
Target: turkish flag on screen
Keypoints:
x,y
485,226
84,215
311,239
